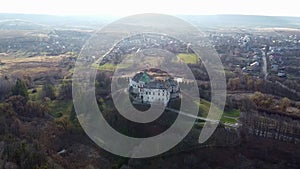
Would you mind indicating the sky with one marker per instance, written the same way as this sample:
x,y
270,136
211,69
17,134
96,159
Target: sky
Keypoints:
x,y
129,7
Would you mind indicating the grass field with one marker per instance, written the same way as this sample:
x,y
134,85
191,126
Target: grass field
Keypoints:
x,y
24,66
232,113
108,67
204,106
188,58
112,67
229,116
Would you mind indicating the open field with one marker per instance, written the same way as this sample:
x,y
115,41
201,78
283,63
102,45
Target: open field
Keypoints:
x,y
188,58
35,67
231,116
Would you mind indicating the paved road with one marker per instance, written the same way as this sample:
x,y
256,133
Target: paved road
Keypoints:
x,y
264,66
192,116
202,118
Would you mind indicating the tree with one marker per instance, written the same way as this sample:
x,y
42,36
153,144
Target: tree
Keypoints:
x,y
247,104
298,105
6,109
104,80
48,90
65,91
76,127
250,84
24,154
20,88
261,100
233,83
73,117
18,103
5,87
284,103
35,109
65,123
260,84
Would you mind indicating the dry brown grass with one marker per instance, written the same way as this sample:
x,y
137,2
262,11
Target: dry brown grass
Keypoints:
x,y
29,66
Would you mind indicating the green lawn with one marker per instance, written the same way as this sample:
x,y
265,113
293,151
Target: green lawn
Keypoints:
x,y
204,106
188,58
228,120
113,67
232,113
228,116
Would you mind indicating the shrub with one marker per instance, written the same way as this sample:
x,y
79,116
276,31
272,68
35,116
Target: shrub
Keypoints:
x,y
65,91
48,90
20,88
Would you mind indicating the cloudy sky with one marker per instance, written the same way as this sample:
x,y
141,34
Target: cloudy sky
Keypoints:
x,y
129,7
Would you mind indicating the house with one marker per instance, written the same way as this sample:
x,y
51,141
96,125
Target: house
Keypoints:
x,y
254,64
153,86
281,74
274,68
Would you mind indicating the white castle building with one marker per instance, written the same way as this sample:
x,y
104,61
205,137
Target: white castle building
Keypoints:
x,y
153,86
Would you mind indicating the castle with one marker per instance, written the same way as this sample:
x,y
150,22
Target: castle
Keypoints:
x,y
153,86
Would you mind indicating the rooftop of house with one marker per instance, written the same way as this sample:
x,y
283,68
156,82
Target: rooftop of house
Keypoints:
x,y
151,74
157,84
145,77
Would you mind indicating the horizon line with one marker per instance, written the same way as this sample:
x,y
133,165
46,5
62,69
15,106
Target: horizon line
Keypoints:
x,y
124,15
